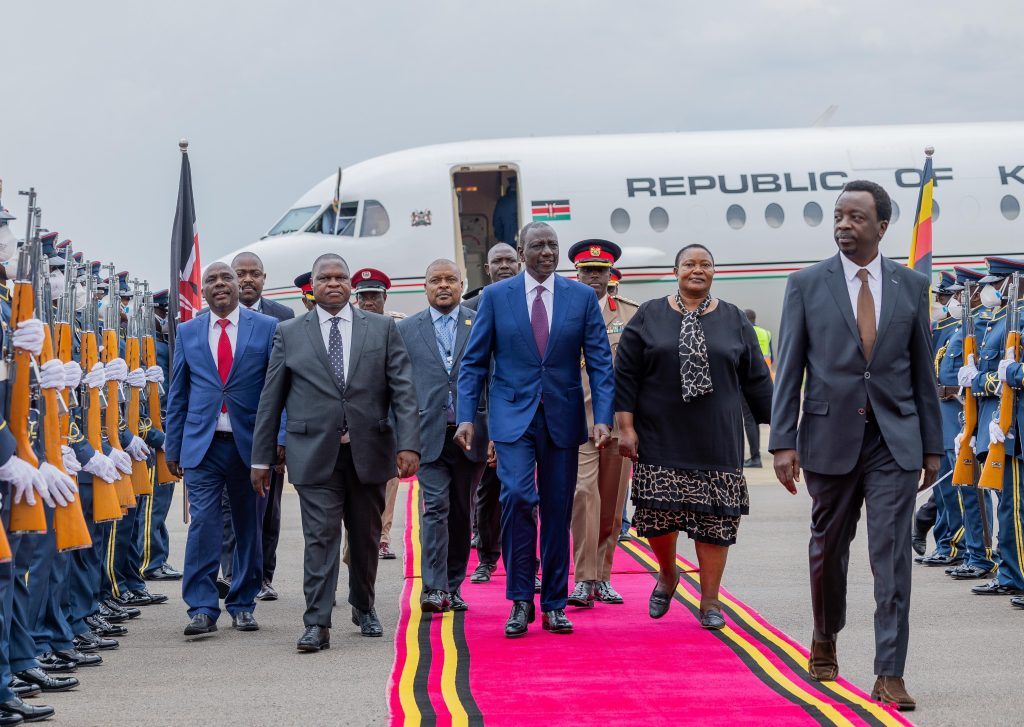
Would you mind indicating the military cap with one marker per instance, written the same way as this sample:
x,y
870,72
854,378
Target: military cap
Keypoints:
x,y
615,277
160,298
369,280
6,216
967,275
594,253
1001,267
122,284
305,284
48,242
946,282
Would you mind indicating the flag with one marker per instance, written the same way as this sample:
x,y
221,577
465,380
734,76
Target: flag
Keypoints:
x,y
550,210
921,242
186,298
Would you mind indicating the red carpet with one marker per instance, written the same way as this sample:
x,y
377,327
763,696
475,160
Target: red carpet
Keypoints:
x,y
619,667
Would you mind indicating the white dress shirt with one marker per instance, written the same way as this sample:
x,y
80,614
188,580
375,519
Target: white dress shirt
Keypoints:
x,y
853,284
223,421
547,295
345,327
256,307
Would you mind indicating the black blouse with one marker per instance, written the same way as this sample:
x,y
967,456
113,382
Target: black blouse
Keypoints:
x,y
707,432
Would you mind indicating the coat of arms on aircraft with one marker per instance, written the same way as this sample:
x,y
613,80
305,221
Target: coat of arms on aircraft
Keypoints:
x,y
550,210
421,218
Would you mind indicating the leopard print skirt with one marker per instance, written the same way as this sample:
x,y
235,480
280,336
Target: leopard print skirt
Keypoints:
x,y
705,505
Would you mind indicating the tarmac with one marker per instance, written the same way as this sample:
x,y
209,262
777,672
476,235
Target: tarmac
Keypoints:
x,y
964,666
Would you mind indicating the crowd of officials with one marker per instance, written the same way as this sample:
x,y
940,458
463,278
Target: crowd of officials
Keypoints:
x,y
526,409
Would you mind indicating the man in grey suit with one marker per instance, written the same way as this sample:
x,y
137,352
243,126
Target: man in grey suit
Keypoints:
x,y
855,341
340,372
436,338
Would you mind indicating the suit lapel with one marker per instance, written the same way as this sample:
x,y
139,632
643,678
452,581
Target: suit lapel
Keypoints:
x,y
841,293
462,331
202,338
516,296
425,324
890,291
359,329
245,327
561,301
316,340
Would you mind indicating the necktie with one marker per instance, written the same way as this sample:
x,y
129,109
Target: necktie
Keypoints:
x,y
866,314
445,341
336,355
539,321
224,356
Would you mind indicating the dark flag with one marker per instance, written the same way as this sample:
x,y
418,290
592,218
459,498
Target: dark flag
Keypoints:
x,y
185,293
921,241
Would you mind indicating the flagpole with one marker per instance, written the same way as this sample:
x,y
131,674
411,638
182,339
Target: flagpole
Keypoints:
x,y
174,308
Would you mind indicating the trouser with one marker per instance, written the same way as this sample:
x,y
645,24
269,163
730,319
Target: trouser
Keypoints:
x,y
926,516
154,541
752,430
977,514
222,469
84,572
488,517
1011,526
889,494
122,571
601,484
324,507
390,498
271,530
445,490
949,526
535,472
47,580
6,601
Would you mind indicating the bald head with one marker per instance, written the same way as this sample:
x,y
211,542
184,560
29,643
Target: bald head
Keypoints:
x,y
220,288
502,262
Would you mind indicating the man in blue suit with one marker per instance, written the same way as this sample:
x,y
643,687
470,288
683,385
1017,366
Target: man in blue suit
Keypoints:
x,y
220,362
537,420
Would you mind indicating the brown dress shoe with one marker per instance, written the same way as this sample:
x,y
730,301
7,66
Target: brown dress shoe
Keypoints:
x,y
823,664
892,690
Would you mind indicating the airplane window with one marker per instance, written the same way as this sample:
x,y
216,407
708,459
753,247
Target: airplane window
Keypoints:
x,y
812,214
620,220
659,219
375,219
1010,207
935,211
895,213
735,216
293,221
346,220
774,215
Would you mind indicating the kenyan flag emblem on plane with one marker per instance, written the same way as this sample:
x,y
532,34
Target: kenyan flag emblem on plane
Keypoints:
x,y
550,210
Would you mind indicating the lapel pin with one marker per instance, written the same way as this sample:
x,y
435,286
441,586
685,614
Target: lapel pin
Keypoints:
x,y
468,322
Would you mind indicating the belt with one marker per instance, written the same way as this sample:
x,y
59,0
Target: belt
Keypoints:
x,y
947,393
224,435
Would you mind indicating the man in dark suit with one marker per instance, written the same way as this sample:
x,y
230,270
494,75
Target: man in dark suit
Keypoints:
x,y
217,374
346,371
436,339
251,278
855,341
537,419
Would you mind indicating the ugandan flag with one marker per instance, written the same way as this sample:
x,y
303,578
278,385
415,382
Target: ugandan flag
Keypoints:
x,y
921,242
550,210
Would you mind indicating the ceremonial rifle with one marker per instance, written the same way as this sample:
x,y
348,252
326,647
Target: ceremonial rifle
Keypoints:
x,y
995,463
163,475
112,415
141,482
106,504
25,518
964,469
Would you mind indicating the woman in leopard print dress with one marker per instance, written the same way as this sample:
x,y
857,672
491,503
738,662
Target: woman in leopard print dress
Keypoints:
x,y
684,365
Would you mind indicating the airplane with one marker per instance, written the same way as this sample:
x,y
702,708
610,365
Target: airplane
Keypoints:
x,y
758,199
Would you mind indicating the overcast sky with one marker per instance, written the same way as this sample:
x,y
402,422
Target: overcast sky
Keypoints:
x,y
273,96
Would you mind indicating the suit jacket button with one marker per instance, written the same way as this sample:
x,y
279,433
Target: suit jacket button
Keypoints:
x,y
860,411
867,374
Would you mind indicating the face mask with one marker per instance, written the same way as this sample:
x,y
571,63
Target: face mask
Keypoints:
x,y
162,322
80,300
938,312
8,243
56,284
954,308
127,309
990,296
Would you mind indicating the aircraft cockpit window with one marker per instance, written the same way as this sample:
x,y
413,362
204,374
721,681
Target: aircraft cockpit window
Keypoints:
x,y
620,220
813,214
895,213
935,211
375,219
293,221
1010,207
774,215
659,219
343,223
736,216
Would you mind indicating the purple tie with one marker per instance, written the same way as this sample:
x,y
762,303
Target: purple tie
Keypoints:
x,y
539,321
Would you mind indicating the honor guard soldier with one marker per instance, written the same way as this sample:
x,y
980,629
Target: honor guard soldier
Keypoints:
x,y
305,285
990,374
603,475
371,291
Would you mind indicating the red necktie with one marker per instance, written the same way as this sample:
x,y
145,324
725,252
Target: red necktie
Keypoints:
x,y
224,355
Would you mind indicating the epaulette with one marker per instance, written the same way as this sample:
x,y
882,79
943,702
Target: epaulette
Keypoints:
x,y
938,358
5,293
627,301
395,314
946,323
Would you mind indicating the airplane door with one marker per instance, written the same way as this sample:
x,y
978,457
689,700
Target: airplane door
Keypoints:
x,y
487,208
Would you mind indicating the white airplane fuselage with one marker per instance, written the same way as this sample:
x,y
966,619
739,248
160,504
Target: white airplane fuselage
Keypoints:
x,y
760,200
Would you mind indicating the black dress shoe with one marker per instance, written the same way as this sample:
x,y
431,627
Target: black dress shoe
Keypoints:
x,y
314,638
367,622
434,601
90,642
132,599
28,712
151,598
10,718
267,592
47,683
970,572
752,463
101,627
223,586
164,573
458,602
1017,601
78,657
114,613
993,588
582,595
935,560
23,689
243,621
625,537
919,544
556,622
711,619
53,664
200,625
606,594
522,615
482,574
661,600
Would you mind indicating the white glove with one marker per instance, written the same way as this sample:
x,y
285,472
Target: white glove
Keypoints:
x,y
155,375
136,378
100,465
121,460
71,463
62,488
26,481
72,375
96,376
116,370
51,374
29,336
995,432
957,441
966,374
138,449
1003,364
